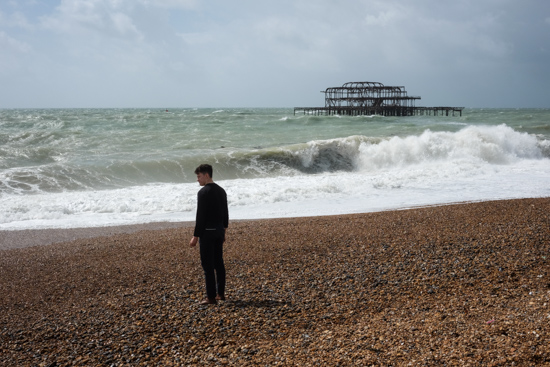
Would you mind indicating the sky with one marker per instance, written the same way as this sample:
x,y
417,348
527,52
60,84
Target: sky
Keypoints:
x,y
271,53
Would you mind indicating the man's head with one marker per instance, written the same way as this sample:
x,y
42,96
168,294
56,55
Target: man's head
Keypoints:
x,y
204,174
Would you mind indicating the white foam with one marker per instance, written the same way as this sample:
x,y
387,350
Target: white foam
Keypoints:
x,y
494,145
473,164
306,195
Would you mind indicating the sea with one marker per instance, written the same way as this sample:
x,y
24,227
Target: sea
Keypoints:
x,y
68,168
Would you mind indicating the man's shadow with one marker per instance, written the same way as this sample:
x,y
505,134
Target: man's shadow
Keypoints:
x,y
257,303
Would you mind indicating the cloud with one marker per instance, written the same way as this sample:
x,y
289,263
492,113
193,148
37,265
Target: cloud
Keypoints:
x,y
124,24
7,43
272,53
72,17
16,20
196,38
171,4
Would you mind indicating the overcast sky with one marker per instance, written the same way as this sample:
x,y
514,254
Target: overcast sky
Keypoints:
x,y
272,53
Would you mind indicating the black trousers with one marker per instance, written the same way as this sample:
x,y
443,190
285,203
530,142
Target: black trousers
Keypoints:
x,y
211,248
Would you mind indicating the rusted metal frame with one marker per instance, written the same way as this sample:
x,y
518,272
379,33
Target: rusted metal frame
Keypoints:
x,y
358,98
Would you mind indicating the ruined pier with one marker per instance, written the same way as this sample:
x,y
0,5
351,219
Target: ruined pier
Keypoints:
x,y
372,98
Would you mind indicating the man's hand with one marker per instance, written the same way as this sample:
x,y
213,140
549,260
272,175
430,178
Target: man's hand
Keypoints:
x,y
193,241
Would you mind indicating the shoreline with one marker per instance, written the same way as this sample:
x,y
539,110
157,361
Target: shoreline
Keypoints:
x,y
456,285
22,238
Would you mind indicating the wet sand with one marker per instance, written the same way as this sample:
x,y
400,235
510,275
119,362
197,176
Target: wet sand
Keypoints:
x,y
457,285
41,237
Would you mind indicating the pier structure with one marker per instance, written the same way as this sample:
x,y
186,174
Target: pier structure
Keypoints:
x,y
373,98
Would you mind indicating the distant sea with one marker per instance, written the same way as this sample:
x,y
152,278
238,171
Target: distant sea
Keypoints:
x,y
65,168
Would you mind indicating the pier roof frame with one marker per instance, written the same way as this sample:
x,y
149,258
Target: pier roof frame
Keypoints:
x,y
367,94
373,98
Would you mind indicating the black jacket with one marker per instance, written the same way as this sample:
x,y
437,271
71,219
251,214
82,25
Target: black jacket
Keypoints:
x,y
212,209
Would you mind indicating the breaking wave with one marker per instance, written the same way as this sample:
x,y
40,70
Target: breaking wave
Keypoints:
x,y
493,145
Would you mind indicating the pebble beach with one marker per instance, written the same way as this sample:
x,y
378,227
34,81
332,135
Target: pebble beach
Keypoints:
x,y
456,285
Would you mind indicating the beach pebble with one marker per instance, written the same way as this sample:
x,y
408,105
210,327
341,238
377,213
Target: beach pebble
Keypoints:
x,y
466,284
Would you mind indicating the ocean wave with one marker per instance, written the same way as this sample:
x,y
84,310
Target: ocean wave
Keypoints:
x,y
49,170
65,176
313,157
545,147
485,144
493,145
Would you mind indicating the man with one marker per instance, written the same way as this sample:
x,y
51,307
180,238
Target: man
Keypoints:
x,y
212,220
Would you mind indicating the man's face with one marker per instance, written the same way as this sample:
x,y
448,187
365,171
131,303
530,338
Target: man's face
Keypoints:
x,y
202,178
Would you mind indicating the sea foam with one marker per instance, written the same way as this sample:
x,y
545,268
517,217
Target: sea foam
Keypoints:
x,y
93,181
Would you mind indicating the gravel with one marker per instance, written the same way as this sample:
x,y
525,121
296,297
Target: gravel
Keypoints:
x,y
458,285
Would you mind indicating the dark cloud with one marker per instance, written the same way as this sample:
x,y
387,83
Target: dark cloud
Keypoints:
x,y
192,53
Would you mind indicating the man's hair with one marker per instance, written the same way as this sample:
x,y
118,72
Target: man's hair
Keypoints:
x,y
204,168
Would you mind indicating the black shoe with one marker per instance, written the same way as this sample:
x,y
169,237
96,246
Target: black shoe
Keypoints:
x,y
208,301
